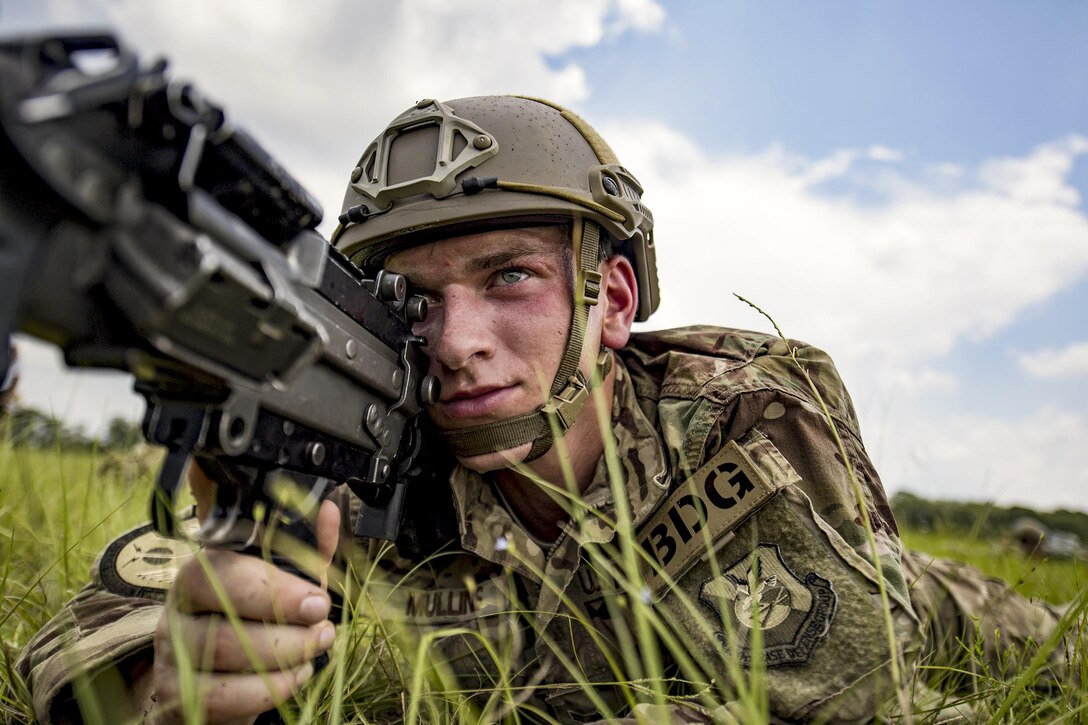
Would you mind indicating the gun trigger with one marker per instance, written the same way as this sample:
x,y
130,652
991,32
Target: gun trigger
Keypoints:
x,y
225,527
167,484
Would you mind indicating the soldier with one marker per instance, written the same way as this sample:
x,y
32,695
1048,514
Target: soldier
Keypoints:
x,y
685,483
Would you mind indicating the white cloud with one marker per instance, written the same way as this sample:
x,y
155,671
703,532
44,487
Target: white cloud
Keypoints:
x,y
1070,361
884,153
886,286
914,381
832,166
947,169
1040,178
1038,460
645,15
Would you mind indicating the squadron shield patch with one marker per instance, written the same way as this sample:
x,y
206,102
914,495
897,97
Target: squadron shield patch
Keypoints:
x,y
142,563
759,591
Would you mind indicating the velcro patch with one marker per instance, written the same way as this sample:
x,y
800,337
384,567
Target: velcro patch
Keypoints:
x,y
710,504
761,591
143,563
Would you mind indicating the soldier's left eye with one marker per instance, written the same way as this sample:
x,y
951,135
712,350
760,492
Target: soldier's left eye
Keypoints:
x,y
512,276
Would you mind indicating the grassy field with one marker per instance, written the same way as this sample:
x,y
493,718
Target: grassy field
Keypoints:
x,y
1056,581
59,510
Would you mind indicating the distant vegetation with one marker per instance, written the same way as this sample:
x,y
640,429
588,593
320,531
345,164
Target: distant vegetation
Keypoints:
x,y
982,520
30,428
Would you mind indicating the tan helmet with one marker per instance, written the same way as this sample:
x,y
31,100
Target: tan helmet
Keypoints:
x,y
448,168
487,161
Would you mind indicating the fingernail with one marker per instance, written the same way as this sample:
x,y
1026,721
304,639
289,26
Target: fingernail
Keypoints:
x,y
314,608
328,634
304,674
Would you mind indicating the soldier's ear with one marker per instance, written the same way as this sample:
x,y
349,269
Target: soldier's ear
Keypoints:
x,y
619,301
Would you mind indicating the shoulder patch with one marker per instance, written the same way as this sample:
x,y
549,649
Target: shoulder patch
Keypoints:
x,y
703,510
761,592
143,563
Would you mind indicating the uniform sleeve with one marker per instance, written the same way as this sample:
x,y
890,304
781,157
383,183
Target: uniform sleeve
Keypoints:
x,y
96,649
788,413
982,625
792,585
99,638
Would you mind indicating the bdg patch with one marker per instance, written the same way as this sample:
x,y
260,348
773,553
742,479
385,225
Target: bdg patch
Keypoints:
x,y
702,512
760,591
141,563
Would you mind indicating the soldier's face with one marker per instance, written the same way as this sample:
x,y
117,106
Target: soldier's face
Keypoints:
x,y
500,308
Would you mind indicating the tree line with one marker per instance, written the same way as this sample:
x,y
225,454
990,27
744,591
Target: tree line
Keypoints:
x,y
982,519
31,428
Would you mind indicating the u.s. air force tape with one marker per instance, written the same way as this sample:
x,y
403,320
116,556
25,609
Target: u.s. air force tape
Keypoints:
x,y
141,563
734,483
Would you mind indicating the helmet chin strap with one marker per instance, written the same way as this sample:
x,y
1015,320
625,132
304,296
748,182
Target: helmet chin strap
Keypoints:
x,y
570,389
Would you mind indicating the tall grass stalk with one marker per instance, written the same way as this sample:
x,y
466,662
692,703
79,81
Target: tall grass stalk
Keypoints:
x,y
893,648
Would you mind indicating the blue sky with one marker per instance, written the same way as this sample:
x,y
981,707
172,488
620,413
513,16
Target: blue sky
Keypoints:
x,y
901,183
950,80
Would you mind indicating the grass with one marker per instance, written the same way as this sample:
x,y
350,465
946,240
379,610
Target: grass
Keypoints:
x,y
56,514
58,511
1057,581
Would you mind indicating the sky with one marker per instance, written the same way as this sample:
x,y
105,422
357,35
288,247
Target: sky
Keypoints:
x,y
902,184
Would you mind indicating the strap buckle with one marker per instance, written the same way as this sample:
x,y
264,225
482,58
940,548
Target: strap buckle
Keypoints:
x,y
591,287
563,407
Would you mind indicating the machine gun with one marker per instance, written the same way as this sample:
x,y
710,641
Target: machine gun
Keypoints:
x,y
141,230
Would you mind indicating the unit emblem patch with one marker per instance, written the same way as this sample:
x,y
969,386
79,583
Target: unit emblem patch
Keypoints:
x,y
759,591
141,563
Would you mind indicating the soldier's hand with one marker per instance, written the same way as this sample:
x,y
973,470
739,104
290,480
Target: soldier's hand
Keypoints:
x,y
240,674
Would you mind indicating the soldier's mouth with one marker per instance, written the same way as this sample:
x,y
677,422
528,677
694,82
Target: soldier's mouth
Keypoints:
x,y
477,402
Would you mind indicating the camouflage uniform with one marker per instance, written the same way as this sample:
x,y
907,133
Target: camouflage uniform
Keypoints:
x,y
980,626
720,447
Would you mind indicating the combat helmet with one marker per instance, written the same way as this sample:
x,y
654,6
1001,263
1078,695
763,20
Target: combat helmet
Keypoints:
x,y
448,168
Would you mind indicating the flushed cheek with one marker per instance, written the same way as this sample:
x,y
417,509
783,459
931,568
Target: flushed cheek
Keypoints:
x,y
526,337
536,336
